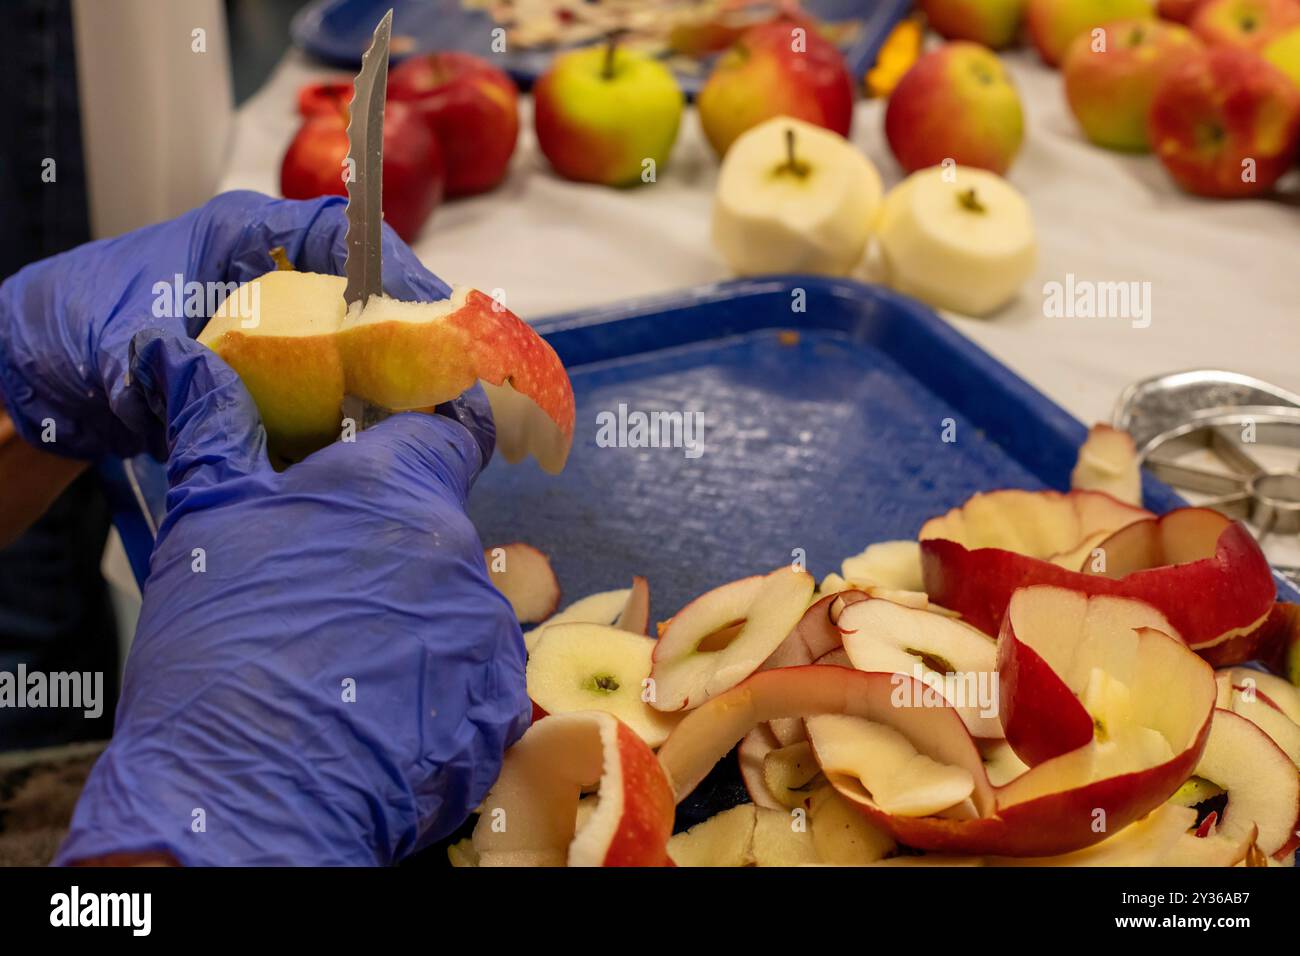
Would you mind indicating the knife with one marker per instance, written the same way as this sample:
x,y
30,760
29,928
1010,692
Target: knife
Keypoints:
x,y
363,266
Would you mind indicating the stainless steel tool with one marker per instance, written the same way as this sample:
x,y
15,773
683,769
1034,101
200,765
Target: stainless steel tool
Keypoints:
x,y
365,166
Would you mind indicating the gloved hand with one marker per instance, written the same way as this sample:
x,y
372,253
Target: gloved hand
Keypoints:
x,y
322,673
67,322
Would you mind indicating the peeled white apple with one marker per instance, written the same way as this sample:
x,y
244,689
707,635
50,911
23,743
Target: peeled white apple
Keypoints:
x,y
793,197
956,238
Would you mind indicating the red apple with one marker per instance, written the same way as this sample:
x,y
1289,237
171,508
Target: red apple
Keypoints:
x,y
994,23
956,102
1248,24
1053,24
782,68
472,109
413,171
1110,85
542,780
1178,11
1225,123
328,97
607,115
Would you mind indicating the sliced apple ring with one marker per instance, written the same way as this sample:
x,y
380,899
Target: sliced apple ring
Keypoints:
x,y
949,655
300,350
525,576
530,816
723,636
895,565
1261,783
576,667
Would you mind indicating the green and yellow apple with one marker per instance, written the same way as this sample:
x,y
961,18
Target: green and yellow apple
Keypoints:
x,y
1111,78
1249,24
994,23
1225,123
1053,24
793,197
300,351
603,113
955,103
782,68
1284,53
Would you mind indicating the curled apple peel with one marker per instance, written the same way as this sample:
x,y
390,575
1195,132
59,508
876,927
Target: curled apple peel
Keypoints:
x,y
300,351
531,815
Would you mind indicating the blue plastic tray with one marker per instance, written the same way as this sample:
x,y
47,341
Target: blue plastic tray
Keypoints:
x,y
338,32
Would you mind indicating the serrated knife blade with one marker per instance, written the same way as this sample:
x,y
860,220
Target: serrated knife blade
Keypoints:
x,y
363,266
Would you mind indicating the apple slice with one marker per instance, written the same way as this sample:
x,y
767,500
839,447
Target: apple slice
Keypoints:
x,y
974,556
953,657
1076,670
635,616
1108,462
724,839
842,836
1000,761
300,350
525,576
782,838
531,811
888,564
751,753
723,636
576,667
791,774
902,780
1261,782
817,632
1246,700
1202,570
1275,691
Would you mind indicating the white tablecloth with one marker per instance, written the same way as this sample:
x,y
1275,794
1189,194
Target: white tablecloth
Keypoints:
x,y
1225,276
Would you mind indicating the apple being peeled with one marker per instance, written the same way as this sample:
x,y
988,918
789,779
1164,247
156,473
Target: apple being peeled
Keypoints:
x,y
300,350
955,103
472,109
959,239
602,113
994,23
1247,24
793,197
1053,24
782,68
1110,80
1225,123
414,175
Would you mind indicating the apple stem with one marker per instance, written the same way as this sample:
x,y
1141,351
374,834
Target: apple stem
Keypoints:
x,y
969,200
792,164
611,46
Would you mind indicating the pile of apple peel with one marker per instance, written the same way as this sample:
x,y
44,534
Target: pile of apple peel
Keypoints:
x,y
300,351
1032,682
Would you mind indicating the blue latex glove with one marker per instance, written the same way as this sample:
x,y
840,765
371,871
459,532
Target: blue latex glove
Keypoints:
x,y
356,564
66,322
